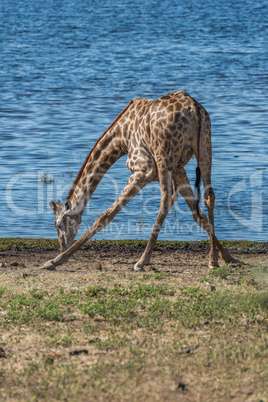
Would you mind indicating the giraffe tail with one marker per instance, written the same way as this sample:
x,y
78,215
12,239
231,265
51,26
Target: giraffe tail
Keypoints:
x,y
197,191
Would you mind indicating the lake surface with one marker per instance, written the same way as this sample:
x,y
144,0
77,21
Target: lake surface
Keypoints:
x,y
67,69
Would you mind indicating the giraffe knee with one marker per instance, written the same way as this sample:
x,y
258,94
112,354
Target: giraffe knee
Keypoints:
x,y
210,201
208,191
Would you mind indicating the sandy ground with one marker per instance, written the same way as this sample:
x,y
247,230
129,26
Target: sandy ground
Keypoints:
x,y
187,259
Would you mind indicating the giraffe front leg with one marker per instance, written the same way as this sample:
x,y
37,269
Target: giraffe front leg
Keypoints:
x,y
136,182
168,197
146,256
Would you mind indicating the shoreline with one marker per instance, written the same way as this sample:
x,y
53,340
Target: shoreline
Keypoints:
x,y
9,243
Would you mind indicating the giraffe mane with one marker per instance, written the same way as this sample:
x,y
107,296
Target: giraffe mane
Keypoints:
x,y
92,149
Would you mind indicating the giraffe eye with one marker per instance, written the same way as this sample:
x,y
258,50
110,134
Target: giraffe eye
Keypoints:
x,y
60,224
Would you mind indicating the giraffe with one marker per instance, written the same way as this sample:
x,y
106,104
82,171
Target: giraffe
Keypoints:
x,y
160,137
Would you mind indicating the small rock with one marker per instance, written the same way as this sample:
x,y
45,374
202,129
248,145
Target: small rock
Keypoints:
x,y
49,360
93,340
78,352
14,264
25,275
248,390
98,266
2,354
259,319
251,282
187,351
182,386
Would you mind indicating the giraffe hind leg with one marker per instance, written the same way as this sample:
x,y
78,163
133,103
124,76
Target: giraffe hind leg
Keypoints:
x,y
186,192
213,255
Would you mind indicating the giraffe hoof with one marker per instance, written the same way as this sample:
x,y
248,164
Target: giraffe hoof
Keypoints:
x,y
227,258
48,266
212,265
137,268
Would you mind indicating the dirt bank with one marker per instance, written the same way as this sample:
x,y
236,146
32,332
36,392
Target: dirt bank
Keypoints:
x,y
27,255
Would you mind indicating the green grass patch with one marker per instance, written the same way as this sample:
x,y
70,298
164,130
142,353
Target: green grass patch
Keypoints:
x,y
140,335
9,243
26,243
221,272
139,305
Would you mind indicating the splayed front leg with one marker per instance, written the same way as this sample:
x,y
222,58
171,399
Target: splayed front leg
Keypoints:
x,y
136,182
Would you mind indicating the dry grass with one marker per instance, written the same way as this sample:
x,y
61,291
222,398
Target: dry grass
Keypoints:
x,y
176,332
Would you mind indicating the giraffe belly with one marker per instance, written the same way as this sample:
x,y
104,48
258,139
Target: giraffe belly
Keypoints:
x,y
186,155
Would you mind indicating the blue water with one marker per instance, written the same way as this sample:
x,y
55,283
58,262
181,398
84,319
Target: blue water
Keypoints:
x,y
67,69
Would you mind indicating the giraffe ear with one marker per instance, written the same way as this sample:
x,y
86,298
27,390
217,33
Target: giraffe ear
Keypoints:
x,y
67,205
56,208
68,208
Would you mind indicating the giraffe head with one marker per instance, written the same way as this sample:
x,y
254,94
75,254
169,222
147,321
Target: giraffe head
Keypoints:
x,y
67,223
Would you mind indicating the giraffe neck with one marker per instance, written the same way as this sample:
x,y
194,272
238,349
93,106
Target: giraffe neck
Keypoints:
x,y
107,150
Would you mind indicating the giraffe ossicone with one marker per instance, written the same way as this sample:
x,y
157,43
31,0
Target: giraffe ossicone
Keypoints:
x,y
160,137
